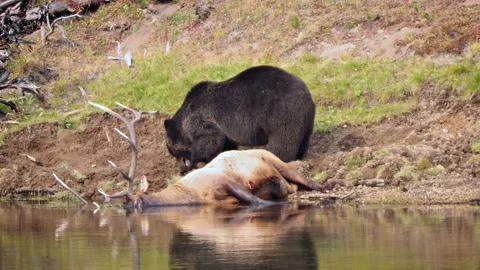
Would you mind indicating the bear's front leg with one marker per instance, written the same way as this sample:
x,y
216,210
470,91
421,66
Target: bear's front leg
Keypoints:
x,y
207,143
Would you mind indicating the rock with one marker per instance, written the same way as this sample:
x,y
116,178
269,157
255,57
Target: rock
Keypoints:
x,y
203,9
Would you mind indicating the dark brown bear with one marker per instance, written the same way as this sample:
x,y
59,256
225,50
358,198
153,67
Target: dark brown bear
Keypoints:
x,y
262,105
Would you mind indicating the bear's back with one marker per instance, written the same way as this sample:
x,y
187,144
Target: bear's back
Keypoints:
x,y
252,87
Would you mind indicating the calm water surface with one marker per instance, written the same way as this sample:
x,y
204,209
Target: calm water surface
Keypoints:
x,y
39,236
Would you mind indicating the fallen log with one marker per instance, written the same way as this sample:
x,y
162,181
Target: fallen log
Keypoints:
x,y
370,183
60,8
8,3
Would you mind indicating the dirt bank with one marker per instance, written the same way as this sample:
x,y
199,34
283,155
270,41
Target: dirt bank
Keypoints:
x,y
423,157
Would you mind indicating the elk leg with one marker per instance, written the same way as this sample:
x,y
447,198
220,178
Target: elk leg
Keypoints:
x,y
245,196
294,177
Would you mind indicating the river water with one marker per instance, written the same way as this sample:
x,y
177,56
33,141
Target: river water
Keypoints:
x,y
43,236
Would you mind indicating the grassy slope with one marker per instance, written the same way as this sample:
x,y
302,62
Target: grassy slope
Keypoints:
x,y
352,90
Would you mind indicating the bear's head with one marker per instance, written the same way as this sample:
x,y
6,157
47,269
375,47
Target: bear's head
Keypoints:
x,y
178,146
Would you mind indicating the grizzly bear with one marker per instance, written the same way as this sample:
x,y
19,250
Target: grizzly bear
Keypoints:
x,y
263,105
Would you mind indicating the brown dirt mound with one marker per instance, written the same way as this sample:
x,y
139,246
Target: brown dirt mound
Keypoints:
x,y
424,156
80,157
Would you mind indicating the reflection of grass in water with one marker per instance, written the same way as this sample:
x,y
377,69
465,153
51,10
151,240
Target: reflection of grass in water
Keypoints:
x,y
65,196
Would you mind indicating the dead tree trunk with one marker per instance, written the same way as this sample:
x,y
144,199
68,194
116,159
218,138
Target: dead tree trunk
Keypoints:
x,y
17,20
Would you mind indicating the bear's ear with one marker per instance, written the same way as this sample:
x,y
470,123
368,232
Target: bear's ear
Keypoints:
x,y
170,128
168,123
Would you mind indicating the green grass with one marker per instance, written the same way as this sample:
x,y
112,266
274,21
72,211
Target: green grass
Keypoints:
x,y
354,90
160,83
295,22
407,173
475,147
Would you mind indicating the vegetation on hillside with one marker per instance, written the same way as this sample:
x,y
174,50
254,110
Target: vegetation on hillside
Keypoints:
x,y
353,89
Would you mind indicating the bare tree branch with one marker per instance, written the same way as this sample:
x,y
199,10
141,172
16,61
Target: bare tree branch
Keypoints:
x,y
52,25
8,3
24,86
68,188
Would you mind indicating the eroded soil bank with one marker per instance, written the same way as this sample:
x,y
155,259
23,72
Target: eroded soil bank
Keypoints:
x,y
424,157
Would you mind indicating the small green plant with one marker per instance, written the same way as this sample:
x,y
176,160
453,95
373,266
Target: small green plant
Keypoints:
x,y
355,162
374,17
28,104
416,7
361,106
219,34
69,124
320,176
178,18
474,81
60,86
5,109
473,51
407,173
309,58
437,170
418,76
380,171
458,69
295,22
475,147
423,163
125,8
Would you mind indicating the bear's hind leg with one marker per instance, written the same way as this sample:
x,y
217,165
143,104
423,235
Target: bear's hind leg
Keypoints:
x,y
284,146
302,150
